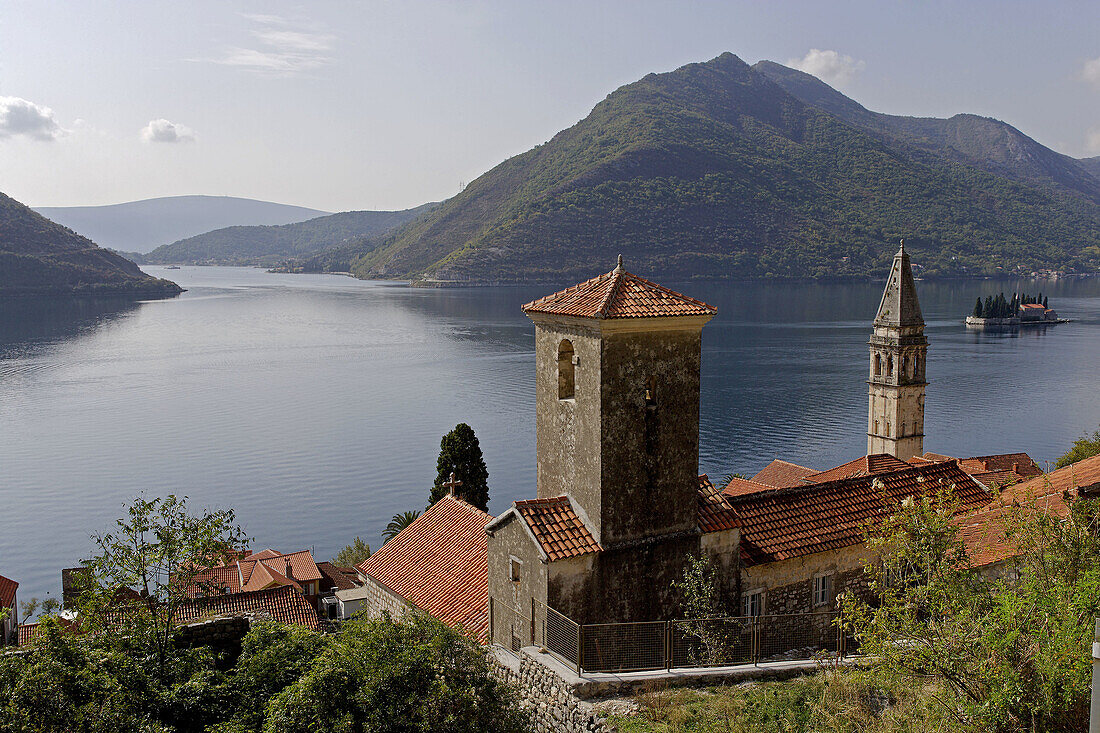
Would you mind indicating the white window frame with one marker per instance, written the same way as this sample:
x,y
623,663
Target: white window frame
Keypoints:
x,y
755,595
515,568
824,585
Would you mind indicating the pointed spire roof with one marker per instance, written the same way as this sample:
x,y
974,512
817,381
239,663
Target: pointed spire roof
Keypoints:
x,y
619,294
899,306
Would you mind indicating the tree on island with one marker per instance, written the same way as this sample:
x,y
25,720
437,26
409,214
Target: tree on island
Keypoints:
x,y
978,309
460,453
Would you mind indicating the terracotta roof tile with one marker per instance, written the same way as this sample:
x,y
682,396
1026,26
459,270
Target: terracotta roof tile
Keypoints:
x,y
715,513
781,474
983,531
619,294
801,520
1019,463
7,592
283,604
742,486
556,526
996,480
863,466
334,576
440,564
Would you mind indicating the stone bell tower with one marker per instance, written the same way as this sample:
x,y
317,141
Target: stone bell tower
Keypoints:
x,y
895,413
617,404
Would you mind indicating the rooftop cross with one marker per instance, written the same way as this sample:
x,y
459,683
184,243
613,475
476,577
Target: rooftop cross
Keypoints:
x,y
452,484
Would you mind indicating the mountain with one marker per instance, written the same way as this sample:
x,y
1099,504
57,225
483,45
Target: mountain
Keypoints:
x,y
140,226
716,170
251,245
1091,165
990,144
38,256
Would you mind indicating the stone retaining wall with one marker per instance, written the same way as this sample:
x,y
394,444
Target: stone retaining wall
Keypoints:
x,y
549,698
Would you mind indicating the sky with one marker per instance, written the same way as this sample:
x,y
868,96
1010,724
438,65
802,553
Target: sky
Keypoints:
x,y
387,105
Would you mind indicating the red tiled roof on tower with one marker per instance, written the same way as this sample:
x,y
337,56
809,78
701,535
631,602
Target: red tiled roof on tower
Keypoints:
x,y
619,294
871,465
801,520
7,591
781,474
556,526
440,564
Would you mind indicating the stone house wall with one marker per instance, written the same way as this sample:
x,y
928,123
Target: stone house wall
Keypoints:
x,y
788,584
512,541
380,598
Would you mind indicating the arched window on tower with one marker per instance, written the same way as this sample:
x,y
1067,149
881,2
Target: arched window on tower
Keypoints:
x,y
904,367
878,365
890,366
566,370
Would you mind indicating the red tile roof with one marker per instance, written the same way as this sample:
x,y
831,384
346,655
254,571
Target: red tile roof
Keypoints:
x,y
1019,463
983,531
619,294
334,576
283,604
558,529
781,474
256,572
995,480
715,513
440,564
871,465
7,592
801,520
742,486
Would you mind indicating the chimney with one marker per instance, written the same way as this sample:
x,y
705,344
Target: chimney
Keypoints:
x,y
289,570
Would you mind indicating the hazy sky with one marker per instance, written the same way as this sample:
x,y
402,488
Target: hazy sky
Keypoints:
x,y
386,105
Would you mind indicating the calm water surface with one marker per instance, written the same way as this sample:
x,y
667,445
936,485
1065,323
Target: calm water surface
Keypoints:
x,y
314,405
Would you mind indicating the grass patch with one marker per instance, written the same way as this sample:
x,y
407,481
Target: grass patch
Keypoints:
x,y
835,701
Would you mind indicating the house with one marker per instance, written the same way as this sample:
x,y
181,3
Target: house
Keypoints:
x,y
283,603
257,571
437,564
9,609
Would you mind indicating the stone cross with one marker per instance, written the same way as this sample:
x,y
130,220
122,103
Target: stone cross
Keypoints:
x,y
452,484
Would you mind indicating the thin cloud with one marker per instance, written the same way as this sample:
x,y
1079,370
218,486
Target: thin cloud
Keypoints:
x,y
829,66
279,49
21,117
163,131
1090,72
1092,140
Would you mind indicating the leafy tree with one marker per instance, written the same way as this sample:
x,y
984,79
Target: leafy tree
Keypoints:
x,y
700,598
460,453
1013,651
160,548
1084,447
398,523
32,606
353,554
385,675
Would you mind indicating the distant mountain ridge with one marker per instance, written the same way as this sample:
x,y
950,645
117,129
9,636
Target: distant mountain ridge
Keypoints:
x,y
41,257
717,170
141,226
268,245
992,145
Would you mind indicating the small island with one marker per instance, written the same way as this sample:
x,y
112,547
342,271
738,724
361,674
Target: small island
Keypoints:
x,y
998,312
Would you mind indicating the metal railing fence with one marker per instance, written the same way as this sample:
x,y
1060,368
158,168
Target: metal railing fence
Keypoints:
x,y
648,645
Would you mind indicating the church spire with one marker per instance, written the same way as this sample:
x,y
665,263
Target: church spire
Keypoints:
x,y
899,306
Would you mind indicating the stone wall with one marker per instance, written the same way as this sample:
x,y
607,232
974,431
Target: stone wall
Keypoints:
x,y
223,634
549,699
788,584
380,599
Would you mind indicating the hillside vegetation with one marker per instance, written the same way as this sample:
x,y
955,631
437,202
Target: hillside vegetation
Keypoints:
x,y
264,245
715,170
38,256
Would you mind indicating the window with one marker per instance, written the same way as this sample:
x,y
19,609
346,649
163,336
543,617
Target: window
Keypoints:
x,y
823,590
651,392
878,365
514,568
752,604
566,366
904,366
889,366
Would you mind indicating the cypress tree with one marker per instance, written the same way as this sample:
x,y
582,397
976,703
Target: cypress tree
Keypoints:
x,y
989,307
1045,302
460,452
978,309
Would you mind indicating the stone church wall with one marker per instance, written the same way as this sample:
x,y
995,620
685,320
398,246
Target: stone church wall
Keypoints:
x,y
511,599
